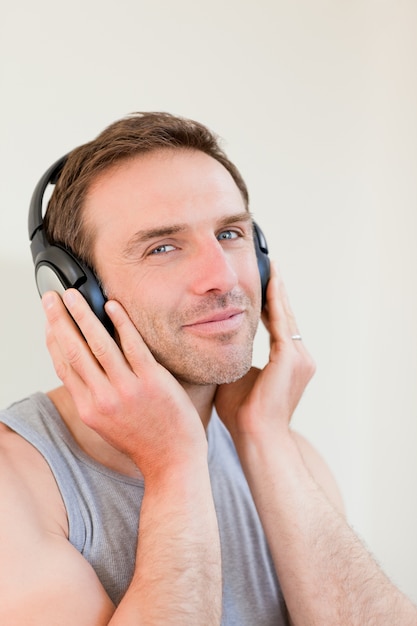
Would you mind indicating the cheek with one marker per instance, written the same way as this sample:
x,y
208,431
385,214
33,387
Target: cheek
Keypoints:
x,y
122,283
149,306
250,278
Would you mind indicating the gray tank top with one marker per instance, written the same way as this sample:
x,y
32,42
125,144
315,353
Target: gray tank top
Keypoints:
x,y
103,509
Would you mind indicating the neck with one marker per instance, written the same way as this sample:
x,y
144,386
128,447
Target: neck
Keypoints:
x,y
202,396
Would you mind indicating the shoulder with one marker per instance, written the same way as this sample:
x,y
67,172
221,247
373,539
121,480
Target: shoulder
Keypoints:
x,y
43,579
320,471
27,482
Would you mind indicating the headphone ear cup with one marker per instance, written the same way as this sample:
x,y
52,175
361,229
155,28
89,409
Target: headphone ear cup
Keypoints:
x,y
264,265
57,269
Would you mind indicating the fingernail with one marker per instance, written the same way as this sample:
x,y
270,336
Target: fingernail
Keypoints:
x,y
110,306
69,297
48,299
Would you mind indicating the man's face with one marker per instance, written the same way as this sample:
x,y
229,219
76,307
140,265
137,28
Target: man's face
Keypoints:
x,y
173,244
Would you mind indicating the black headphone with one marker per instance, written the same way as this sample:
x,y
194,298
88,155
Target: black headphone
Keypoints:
x,y
58,269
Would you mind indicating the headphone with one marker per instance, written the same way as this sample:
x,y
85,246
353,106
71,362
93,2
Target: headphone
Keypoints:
x,y
58,269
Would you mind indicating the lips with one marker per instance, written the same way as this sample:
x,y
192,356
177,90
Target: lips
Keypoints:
x,y
225,321
216,317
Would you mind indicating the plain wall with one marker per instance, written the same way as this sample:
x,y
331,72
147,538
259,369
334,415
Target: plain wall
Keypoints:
x,y
316,102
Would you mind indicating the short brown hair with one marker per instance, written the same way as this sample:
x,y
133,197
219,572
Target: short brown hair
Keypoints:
x,y
135,134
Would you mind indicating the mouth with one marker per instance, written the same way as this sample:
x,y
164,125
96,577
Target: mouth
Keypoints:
x,y
228,321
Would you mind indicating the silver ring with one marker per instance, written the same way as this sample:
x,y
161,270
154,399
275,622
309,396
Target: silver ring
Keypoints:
x,y
296,337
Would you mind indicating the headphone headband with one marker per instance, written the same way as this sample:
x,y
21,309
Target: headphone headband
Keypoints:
x,y
35,220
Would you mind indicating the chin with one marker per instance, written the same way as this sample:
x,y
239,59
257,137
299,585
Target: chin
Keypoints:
x,y
215,373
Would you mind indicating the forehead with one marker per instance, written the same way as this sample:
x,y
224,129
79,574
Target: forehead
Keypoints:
x,y
160,186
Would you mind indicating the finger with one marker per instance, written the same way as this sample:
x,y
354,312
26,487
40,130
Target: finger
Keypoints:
x,y
282,324
63,369
117,362
280,319
94,356
135,350
74,349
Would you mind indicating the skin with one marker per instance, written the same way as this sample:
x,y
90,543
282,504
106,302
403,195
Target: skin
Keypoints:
x,y
185,304
187,278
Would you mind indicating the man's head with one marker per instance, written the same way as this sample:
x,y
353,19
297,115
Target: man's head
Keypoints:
x,y
136,134
160,213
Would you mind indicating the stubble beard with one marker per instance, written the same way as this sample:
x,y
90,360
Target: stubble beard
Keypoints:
x,y
198,368
203,361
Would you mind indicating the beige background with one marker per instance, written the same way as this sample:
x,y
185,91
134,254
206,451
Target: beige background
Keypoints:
x,y
317,104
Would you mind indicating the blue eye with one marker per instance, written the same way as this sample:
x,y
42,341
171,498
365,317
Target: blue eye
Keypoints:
x,y
227,234
163,249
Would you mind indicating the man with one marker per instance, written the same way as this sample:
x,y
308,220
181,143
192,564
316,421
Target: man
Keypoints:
x,y
125,497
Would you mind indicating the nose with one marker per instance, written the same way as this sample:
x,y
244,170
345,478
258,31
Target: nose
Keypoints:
x,y
213,270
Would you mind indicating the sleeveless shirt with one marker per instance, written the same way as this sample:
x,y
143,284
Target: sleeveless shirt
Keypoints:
x,y
103,508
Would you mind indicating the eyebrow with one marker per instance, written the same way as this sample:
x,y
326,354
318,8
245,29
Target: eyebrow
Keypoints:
x,y
148,234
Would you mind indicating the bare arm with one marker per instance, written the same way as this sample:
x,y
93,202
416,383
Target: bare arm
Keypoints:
x,y
43,579
139,409
326,574
177,575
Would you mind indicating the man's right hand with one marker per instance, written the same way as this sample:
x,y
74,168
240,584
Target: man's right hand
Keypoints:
x,y
122,393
